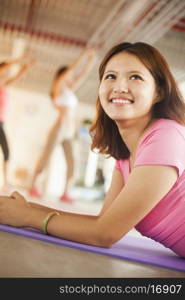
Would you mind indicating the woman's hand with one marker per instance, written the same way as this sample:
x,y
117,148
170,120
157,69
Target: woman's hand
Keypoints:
x,y
14,210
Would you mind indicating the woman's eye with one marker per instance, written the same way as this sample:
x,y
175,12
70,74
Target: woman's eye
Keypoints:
x,y
136,77
110,76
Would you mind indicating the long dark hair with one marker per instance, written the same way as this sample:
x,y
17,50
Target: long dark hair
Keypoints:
x,y
60,71
104,131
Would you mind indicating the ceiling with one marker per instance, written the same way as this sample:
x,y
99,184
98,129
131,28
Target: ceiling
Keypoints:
x,y
56,32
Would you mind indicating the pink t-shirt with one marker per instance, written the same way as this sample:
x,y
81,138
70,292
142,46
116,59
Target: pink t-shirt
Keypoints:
x,y
164,144
3,103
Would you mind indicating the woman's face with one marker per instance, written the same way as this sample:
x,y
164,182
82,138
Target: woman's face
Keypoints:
x,y
127,90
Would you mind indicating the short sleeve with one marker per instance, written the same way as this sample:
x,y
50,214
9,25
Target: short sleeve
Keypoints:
x,y
117,165
123,166
164,146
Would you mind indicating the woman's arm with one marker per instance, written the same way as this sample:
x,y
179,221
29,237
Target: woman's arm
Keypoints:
x,y
144,189
142,192
19,73
8,63
117,184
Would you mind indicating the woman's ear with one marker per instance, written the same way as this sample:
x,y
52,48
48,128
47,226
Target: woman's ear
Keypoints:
x,y
159,95
158,98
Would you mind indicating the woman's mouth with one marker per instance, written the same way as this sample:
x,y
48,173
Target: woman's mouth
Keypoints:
x,y
121,101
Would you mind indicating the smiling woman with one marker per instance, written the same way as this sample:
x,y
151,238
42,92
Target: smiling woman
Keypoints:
x,y
140,122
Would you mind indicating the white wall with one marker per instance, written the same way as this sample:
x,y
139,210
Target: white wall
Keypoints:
x,y
29,117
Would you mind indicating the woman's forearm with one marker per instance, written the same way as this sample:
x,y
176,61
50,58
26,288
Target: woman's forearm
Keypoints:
x,y
71,226
75,227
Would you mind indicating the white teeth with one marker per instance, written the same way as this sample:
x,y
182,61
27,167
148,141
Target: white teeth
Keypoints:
x,y
121,101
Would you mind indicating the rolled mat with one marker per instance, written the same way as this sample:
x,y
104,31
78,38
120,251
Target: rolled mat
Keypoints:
x,y
130,247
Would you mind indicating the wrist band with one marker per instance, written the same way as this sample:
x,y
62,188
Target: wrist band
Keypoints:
x,y
46,221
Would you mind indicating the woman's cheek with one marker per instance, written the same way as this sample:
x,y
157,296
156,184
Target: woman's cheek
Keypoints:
x,y
102,92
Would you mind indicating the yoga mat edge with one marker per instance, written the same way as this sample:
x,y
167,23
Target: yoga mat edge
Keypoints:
x,y
129,248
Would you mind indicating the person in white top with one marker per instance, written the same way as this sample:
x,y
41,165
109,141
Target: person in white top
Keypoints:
x,y
64,85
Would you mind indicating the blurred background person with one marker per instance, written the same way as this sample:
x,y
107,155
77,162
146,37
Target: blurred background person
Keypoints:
x,y
66,81
5,80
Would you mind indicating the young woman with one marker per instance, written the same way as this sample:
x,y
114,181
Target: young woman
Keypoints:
x,y
5,81
139,122
64,85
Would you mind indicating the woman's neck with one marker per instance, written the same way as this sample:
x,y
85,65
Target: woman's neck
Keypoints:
x,y
132,132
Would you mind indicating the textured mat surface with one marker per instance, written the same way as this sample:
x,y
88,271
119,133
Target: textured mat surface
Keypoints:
x,y
130,247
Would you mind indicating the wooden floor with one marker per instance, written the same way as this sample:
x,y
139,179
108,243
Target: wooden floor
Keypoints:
x,y
25,257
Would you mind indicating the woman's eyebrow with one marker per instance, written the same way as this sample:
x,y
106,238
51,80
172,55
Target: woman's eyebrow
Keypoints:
x,y
110,71
135,71
128,72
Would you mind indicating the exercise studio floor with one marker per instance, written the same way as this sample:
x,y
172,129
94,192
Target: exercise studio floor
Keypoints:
x,y
21,256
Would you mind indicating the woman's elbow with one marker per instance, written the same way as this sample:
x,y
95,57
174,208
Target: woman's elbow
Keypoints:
x,y
106,240
105,235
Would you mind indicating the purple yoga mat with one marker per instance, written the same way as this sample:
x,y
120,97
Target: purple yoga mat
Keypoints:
x,y
139,249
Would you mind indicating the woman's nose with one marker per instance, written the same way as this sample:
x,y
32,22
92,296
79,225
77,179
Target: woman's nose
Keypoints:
x,y
120,87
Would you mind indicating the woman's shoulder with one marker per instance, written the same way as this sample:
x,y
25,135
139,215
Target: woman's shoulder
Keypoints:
x,y
164,126
164,132
164,144
168,123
